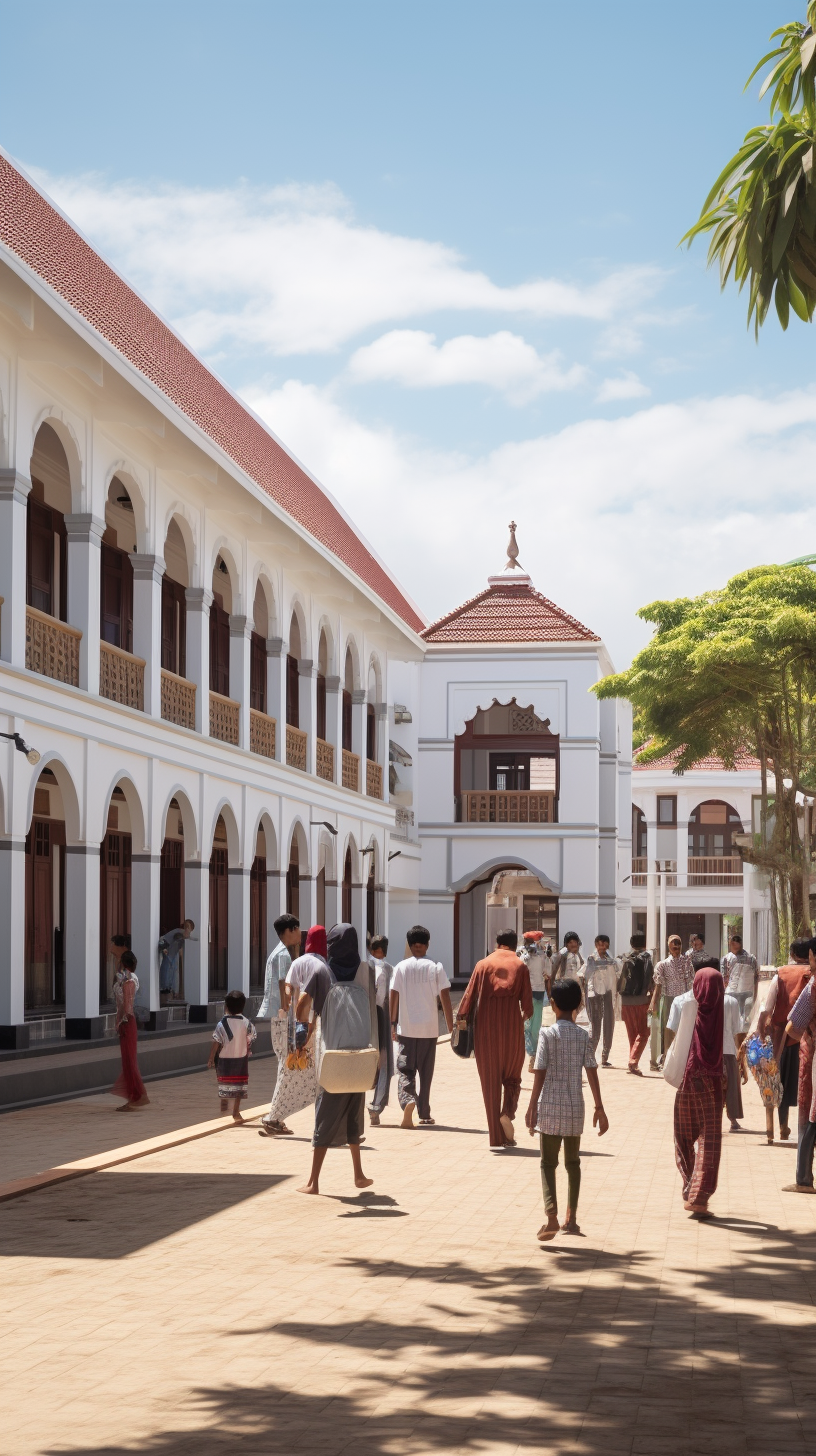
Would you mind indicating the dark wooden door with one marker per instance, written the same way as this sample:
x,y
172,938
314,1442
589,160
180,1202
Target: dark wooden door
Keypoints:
x,y
257,921
346,909
173,627
114,905
257,673
219,903
116,599
219,650
292,691
39,964
171,885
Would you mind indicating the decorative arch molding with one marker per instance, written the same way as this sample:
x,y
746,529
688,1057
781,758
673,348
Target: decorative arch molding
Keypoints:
x,y
350,646
187,522
325,629
262,577
67,788
500,862
265,822
375,667
296,833
225,809
133,800
66,434
326,853
696,801
226,549
466,699
192,848
129,475
297,609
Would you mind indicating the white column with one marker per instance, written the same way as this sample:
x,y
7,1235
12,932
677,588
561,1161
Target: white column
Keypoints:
x,y
334,726
82,1017
238,929
358,733
276,692
199,601
682,842
663,878
274,894
748,907
147,583
307,708
13,1031
85,534
144,919
308,901
240,633
196,949
14,491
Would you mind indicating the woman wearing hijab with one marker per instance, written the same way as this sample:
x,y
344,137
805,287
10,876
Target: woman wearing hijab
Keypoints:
x,y
699,1101
296,1084
339,1116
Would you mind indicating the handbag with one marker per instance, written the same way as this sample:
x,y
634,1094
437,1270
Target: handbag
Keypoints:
x,y
463,1038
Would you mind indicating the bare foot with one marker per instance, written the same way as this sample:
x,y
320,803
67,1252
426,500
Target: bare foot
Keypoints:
x,y
549,1229
125,1107
309,1188
236,1117
507,1128
408,1116
569,1225
358,1183
142,1101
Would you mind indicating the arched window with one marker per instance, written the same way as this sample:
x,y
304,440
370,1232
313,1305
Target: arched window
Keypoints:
x,y
174,602
220,629
711,828
371,900
293,675
49,502
257,652
348,688
293,880
322,671
347,888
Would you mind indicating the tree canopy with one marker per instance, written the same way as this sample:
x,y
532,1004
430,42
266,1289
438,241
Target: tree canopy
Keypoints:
x,y
761,211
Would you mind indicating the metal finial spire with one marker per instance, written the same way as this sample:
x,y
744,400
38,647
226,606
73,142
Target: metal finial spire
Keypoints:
x,y
512,549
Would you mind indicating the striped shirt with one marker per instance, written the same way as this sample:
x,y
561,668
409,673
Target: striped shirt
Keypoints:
x,y
674,975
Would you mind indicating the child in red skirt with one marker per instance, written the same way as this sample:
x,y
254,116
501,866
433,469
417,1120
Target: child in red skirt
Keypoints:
x,y
129,1083
230,1053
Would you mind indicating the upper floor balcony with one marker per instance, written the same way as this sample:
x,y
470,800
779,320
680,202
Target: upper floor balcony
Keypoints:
x,y
494,806
703,870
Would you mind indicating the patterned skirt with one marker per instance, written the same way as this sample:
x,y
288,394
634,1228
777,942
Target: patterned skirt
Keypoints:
x,y
233,1078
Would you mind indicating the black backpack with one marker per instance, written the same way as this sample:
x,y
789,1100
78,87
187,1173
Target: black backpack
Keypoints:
x,y
638,974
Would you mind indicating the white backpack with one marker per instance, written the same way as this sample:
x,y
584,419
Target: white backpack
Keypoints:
x,y
349,1053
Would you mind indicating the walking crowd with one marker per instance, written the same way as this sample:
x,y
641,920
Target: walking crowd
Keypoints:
x,y
343,1023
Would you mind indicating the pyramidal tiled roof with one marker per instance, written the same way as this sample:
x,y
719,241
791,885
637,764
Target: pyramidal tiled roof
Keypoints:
x,y
508,610
710,764
46,242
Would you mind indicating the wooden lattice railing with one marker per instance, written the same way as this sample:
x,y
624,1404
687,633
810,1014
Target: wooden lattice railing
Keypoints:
x,y
351,770
121,676
374,779
178,699
261,733
324,764
507,807
224,718
295,747
52,647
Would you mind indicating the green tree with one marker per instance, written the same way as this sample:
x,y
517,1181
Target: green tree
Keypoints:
x,y
761,211
734,671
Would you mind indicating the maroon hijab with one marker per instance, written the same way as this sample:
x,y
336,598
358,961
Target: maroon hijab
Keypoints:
x,y
705,1059
316,941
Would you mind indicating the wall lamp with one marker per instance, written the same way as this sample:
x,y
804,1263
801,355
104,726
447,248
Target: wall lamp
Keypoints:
x,y
369,850
22,747
322,824
395,854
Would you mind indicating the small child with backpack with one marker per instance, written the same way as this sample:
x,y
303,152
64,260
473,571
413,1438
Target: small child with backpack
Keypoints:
x,y
635,985
230,1053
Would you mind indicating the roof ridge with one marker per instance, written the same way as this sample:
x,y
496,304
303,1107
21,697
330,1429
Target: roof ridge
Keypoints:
x,y
45,240
507,589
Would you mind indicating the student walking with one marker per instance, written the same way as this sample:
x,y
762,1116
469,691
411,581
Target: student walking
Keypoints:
x,y
340,1116
384,973
785,989
230,1053
275,1005
296,1080
556,1107
129,1083
635,985
731,1028
499,996
171,945
599,980
699,1100
740,973
801,1028
537,958
567,963
416,984
672,977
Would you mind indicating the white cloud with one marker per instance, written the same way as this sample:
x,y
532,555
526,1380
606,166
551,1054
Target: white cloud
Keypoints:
x,y
625,386
504,361
291,270
612,513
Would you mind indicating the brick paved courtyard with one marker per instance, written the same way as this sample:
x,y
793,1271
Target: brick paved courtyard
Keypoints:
x,y
193,1301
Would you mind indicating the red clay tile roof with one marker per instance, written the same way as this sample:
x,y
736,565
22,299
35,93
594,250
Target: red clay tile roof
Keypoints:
x,y
711,764
46,242
511,611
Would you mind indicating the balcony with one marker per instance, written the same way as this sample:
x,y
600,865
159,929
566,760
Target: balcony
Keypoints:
x,y
351,770
503,807
121,676
715,871
261,733
225,716
295,747
325,760
178,698
374,779
52,647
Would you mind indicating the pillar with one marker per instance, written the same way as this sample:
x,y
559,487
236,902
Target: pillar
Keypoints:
x,y
85,534
14,1033
748,908
238,929
196,949
276,692
144,919
82,1017
307,708
334,725
14,492
358,733
240,634
147,583
199,601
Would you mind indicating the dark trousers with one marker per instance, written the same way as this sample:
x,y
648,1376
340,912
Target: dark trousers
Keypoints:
x,y
602,1014
382,1086
417,1057
804,1154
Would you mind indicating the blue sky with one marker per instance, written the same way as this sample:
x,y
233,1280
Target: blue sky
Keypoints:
x,y
435,245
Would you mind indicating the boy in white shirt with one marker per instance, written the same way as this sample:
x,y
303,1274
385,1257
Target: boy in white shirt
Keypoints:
x,y
417,983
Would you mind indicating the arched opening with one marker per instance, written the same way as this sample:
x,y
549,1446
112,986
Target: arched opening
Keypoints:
x,y
49,502
348,689
293,879
371,714
506,897
293,657
171,894
45,899
713,858
322,674
640,846
257,913
220,628
175,581
372,925
114,893
116,594
219,910
347,887
257,652
506,767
